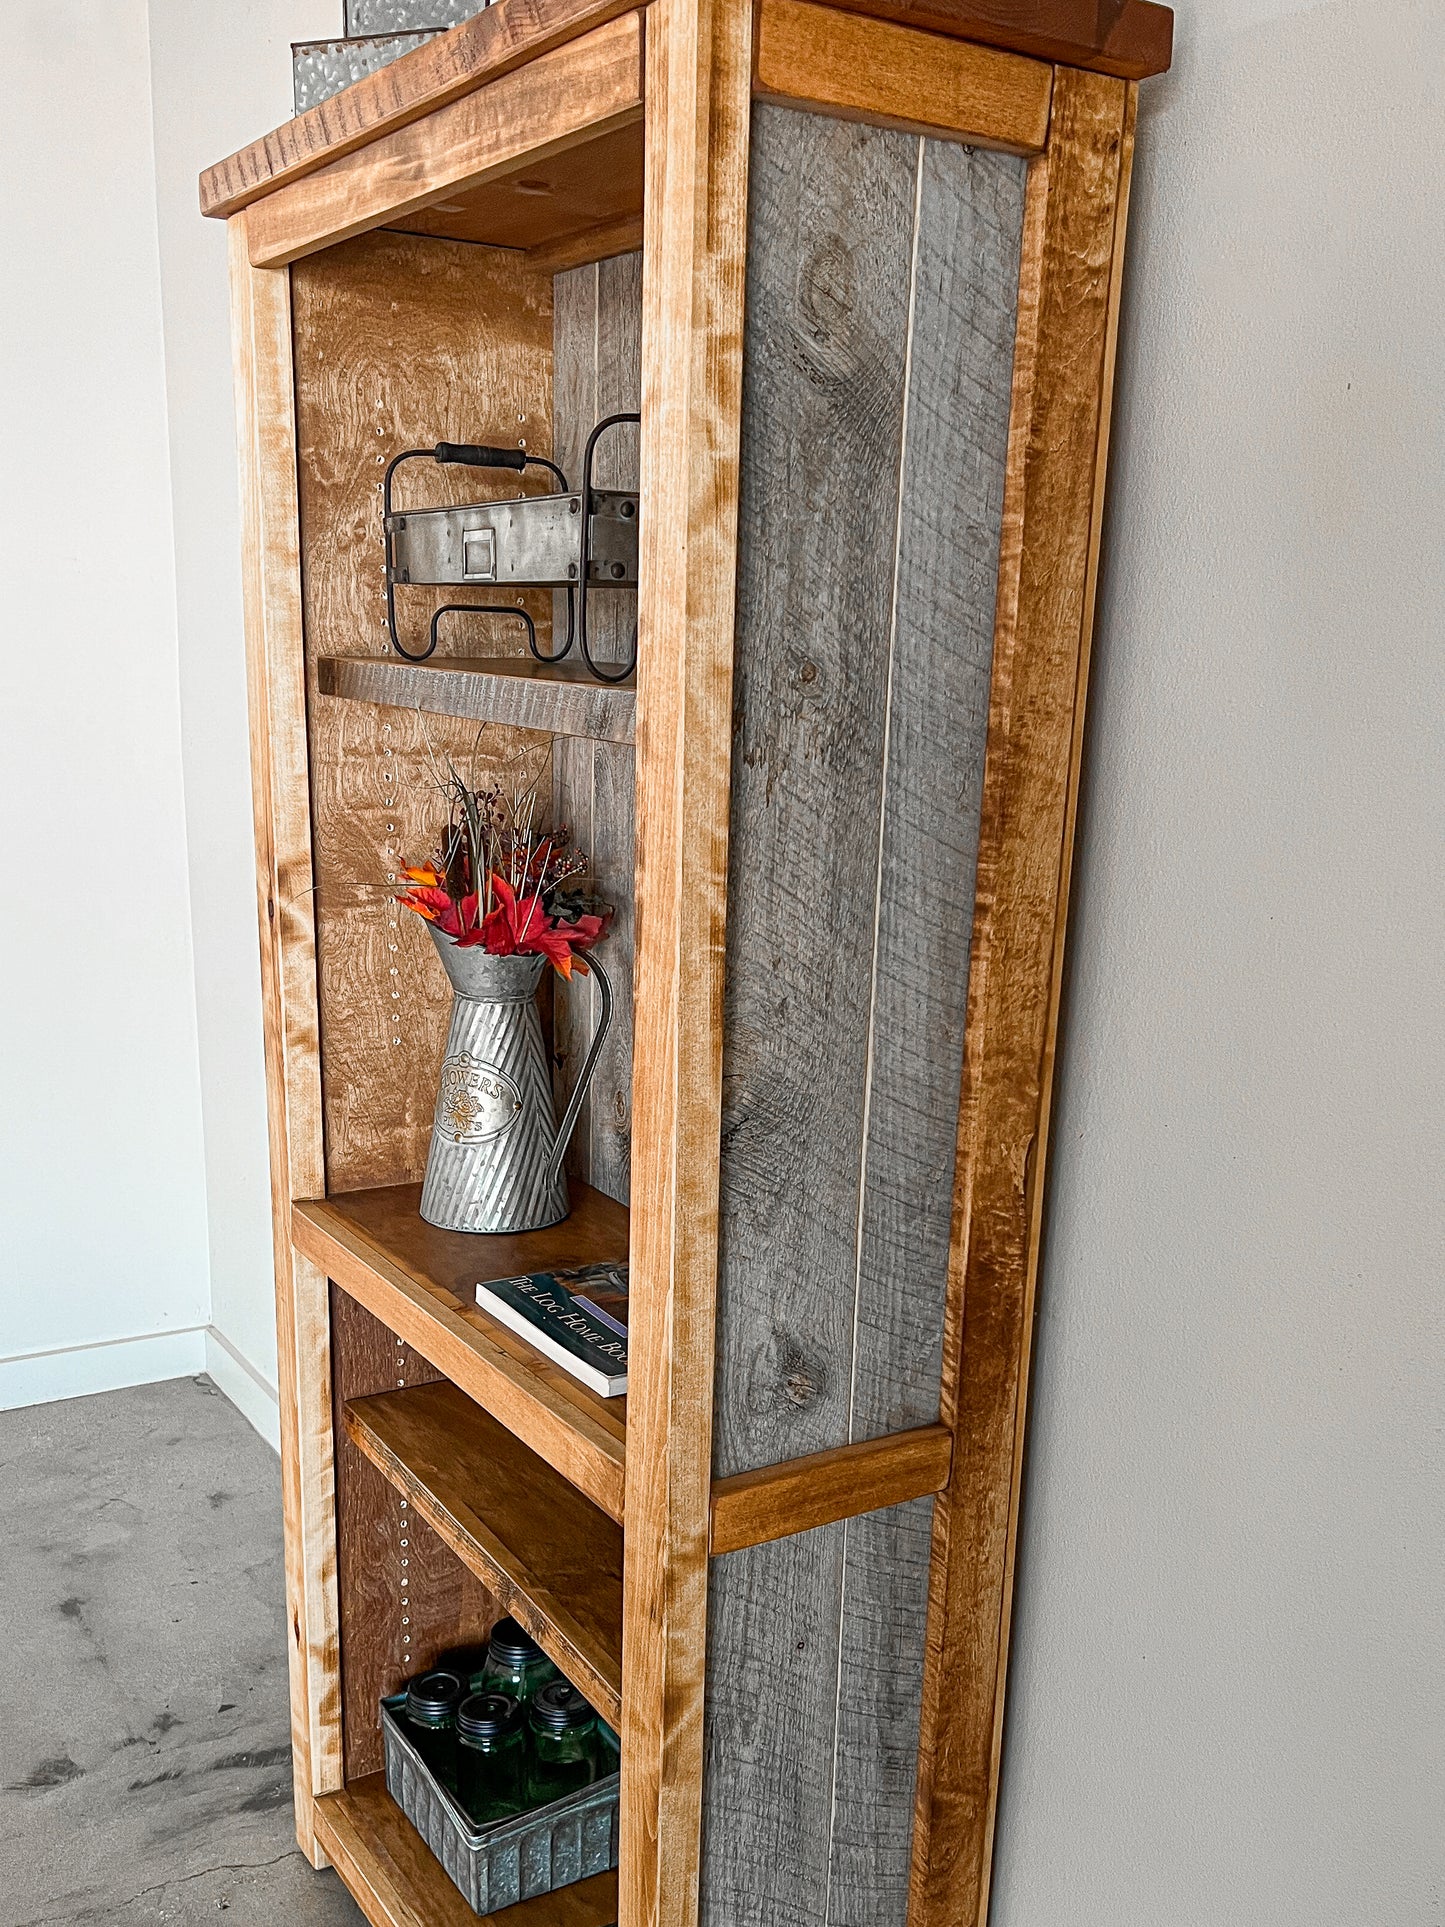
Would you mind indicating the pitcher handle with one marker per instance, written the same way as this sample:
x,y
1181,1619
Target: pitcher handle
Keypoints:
x,y
574,1107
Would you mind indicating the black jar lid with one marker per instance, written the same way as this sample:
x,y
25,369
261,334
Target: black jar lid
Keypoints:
x,y
433,1696
512,1646
488,1716
559,1707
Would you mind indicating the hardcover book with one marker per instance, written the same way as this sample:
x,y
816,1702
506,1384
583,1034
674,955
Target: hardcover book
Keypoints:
x,y
577,1318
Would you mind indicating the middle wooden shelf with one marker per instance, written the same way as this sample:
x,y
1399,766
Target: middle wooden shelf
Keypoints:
x,y
546,1554
421,1283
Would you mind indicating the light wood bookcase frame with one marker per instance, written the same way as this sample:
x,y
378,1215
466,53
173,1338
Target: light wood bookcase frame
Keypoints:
x,y
436,145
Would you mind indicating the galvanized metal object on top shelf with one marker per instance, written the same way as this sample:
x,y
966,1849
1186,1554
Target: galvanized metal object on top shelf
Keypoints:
x,y
576,541
376,32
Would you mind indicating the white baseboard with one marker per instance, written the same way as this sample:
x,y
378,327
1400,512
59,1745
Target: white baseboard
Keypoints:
x,y
75,1371
253,1397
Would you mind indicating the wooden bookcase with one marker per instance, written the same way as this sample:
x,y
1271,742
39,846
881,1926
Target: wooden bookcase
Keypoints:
x,y
859,267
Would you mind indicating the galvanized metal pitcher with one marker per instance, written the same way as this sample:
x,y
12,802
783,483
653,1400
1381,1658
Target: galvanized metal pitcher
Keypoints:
x,y
496,1146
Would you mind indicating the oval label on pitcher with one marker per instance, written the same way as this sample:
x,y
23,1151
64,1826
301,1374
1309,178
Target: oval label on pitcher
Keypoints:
x,y
476,1100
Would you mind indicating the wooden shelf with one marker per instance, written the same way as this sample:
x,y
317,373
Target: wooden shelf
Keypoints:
x,y
544,1552
559,698
421,1283
395,1880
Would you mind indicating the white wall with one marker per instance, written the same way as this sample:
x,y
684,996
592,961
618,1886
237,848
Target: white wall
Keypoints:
x,y
221,75
103,1253
1226,1705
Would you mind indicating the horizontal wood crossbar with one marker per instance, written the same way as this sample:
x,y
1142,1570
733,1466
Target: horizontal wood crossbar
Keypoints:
x,y
560,100
750,1508
1130,39
855,68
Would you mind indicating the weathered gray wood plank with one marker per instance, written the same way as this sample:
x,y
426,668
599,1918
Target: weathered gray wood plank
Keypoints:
x,y
831,216
965,283
597,328
768,1787
882,290
830,235
556,699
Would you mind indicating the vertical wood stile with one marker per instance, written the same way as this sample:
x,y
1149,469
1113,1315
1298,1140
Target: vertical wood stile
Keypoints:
x,y
276,683
698,73
1068,306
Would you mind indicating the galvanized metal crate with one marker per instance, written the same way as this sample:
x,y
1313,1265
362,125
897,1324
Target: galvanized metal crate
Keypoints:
x,y
510,1860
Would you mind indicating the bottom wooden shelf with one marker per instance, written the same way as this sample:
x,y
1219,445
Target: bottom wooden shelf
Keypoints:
x,y
548,1556
396,1881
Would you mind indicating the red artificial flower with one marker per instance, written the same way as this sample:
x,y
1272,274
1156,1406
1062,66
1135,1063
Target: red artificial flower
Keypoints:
x,y
514,926
586,931
437,907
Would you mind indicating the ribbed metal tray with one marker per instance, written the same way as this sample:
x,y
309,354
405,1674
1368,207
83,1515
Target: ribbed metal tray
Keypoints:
x,y
511,1860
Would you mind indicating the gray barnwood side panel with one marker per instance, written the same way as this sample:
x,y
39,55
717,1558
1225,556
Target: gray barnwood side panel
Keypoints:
x,y
831,213
881,299
829,239
965,303
597,330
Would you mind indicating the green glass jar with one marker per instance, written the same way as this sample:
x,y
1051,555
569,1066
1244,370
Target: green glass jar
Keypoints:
x,y
430,1715
515,1664
491,1757
562,1731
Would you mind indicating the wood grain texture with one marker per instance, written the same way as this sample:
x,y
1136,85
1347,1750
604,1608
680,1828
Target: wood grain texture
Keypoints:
x,y
1068,304
752,1507
397,1881
558,699
548,1557
697,92
399,342
830,238
591,244
597,358
1129,38
551,202
855,68
275,676
881,315
965,292
579,92
830,231
453,64
405,1597
420,1282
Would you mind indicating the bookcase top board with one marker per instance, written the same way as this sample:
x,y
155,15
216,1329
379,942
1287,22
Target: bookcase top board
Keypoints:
x,y
1131,39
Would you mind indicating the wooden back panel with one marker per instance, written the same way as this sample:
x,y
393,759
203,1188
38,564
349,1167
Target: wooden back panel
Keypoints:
x,y
883,275
400,342
404,1596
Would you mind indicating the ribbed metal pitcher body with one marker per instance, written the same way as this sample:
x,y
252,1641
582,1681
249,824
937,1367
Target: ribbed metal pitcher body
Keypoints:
x,y
495,1128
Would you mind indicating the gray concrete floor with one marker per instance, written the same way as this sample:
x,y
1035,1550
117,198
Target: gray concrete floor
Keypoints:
x,y
145,1765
